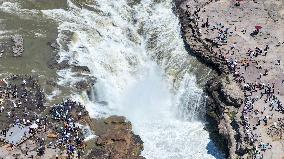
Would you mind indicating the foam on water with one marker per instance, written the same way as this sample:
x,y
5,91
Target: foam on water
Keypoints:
x,y
118,44
15,8
148,104
142,70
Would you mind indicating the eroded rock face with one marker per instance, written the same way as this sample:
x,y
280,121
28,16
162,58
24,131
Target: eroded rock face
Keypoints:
x,y
220,110
54,64
223,110
225,97
116,140
232,93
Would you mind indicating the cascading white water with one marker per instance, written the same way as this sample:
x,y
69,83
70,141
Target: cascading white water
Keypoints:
x,y
118,42
136,53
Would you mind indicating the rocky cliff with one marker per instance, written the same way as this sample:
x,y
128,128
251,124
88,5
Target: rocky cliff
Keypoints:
x,y
241,40
224,95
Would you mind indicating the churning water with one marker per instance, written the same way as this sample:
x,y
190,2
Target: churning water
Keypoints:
x,y
143,72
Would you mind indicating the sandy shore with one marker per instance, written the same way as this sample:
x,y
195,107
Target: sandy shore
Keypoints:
x,y
244,42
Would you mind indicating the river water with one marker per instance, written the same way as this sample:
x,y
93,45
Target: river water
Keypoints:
x,y
143,72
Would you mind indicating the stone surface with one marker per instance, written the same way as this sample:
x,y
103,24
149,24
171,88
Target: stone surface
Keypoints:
x,y
246,99
116,140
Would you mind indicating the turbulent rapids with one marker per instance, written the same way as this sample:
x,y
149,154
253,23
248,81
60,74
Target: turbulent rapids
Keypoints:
x,y
143,71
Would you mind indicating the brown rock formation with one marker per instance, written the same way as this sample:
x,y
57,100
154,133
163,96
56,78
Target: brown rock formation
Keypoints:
x,y
116,140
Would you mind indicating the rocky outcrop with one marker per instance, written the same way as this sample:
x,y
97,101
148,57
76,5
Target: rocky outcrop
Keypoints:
x,y
196,46
54,64
246,97
82,69
54,45
85,84
116,140
222,112
224,95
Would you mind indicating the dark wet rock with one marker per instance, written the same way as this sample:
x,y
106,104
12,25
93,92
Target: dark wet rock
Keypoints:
x,y
54,45
62,65
82,85
219,130
54,64
18,47
85,84
116,140
65,39
82,69
222,107
232,93
227,91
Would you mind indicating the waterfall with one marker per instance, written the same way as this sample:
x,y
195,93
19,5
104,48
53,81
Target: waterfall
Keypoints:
x,y
143,71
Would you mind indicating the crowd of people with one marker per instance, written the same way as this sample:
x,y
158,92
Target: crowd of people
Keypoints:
x,y
276,129
23,112
256,91
21,100
70,135
261,105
